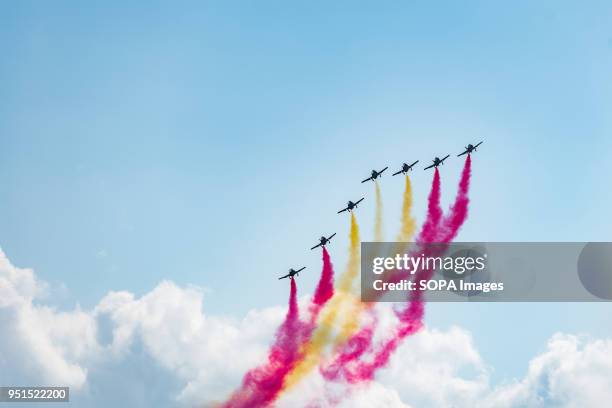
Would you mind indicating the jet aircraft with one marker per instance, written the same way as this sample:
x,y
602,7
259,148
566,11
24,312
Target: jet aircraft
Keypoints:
x,y
405,168
292,273
350,206
437,162
469,149
323,241
375,175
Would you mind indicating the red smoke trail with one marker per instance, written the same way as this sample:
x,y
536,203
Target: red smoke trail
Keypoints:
x,y
354,348
346,363
323,292
325,287
434,212
459,210
261,385
428,231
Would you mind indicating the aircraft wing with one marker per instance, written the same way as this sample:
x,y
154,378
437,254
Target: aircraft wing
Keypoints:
x,y
368,179
301,269
286,276
429,167
331,236
342,210
358,201
413,163
396,173
477,145
461,154
446,157
381,172
316,246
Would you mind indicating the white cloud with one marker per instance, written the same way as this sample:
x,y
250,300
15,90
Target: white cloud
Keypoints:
x,y
437,369
205,356
17,285
432,368
373,396
38,343
572,372
313,391
209,354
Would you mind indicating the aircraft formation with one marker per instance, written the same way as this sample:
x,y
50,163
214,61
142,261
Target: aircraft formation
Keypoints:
x,y
350,206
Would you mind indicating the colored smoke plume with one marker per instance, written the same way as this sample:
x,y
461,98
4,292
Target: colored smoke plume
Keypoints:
x,y
348,363
434,212
354,343
408,223
261,385
459,210
325,287
378,218
324,333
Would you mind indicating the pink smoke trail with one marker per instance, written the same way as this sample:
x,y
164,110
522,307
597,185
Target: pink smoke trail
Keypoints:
x,y
347,357
459,210
325,287
434,212
261,385
323,292
354,348
346,363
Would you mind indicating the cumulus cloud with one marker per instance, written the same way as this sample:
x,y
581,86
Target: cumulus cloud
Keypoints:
x,y
206,354
162,349
313,392
438,369
433,368
574,371
37,342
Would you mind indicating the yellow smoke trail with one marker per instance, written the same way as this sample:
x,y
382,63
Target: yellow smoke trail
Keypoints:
x,y
408,226
345,304
327,320
378,220
408,222
353,305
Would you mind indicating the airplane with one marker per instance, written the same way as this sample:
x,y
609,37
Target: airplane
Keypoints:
x,y
350,205
292,273
405,168
324,241
437,162
375,175
469,149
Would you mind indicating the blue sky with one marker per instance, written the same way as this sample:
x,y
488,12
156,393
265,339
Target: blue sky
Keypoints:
x,y
212,143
